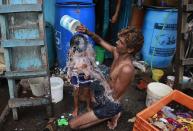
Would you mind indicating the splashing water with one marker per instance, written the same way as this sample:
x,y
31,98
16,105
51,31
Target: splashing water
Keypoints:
x,y
81,59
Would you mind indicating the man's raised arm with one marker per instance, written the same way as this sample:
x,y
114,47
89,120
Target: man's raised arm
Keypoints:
x,y
96,38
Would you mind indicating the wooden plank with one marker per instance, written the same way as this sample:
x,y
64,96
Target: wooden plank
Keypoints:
x,y
17,43
188,61
2,60
11,82
4,9
3,24
3,27
3,31
1,50
49,109
26,74
24,102
179,46
3,115
13,94
42,36
24,26
2,68
44,57
27,59
40,1
41,25
15,114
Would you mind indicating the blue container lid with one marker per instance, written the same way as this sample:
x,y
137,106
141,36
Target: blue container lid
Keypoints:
x,y
75,5
167,9
74,1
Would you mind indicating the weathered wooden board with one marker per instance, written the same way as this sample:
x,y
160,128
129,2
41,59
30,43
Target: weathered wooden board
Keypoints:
x,y
4,9
26,26
23,1
23,102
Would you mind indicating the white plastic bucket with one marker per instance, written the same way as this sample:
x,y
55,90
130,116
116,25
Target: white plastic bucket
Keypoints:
x,y
37,86
69,23
56,89
155,91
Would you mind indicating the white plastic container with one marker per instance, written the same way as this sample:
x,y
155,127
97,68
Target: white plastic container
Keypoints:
x,y
186,79
171,80
69,23
56,89
155,91
37,86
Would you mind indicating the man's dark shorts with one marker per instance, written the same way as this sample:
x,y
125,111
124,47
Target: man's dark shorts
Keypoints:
x,y
104,108
107,109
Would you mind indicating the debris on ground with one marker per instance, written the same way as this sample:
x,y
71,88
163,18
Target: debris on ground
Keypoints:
x,y
58,122
140,65
132,120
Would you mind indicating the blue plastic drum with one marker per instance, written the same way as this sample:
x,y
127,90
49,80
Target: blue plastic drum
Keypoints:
x,y
160,32
71,1
85,13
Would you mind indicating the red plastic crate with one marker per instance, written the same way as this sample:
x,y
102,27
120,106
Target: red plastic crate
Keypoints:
x,y
141,123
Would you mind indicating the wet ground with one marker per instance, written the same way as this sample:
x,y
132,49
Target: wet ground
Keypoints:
x,y
35,118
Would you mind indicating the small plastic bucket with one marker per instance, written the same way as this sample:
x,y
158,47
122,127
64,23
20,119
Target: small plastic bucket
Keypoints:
x,y
186,79
157,74
100,54
155,91
37,86
56,89
171,80
69,23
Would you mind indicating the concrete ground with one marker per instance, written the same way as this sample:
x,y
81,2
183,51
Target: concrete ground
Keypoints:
x,y
35,118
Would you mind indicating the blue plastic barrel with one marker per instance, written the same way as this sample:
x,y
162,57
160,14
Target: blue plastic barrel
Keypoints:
x,y
85,13
82,1
160,32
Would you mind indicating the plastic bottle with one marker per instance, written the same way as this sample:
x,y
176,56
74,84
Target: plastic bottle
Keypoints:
x,y
168,112
69,23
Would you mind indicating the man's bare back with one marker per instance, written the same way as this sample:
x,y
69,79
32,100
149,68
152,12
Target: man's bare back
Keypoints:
x,y
121,66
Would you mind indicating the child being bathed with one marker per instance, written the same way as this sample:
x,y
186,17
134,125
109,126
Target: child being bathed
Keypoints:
x,y
80,64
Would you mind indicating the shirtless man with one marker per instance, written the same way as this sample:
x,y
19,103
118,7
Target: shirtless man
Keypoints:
x,y
121,75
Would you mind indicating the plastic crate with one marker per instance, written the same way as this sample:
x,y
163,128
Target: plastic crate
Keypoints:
x,y
141,123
